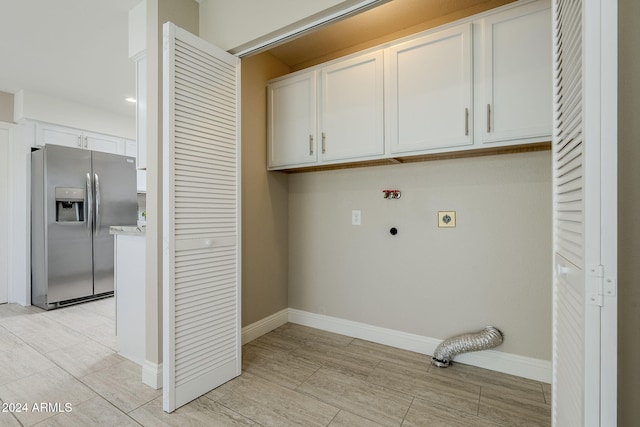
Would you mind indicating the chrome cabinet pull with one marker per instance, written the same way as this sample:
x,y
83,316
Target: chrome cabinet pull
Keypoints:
x,y
466,122
324,144
311,145
80,141
488,118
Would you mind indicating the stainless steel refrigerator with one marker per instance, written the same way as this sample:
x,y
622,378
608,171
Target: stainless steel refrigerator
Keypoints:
x,y
76,195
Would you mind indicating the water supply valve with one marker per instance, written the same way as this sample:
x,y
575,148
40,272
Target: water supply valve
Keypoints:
x,y
392,194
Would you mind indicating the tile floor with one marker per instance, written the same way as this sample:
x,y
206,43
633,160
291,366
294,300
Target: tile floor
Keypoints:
x,y
293,376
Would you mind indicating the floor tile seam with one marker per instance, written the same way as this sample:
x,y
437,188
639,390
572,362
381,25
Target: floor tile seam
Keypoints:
x,y
497,387
409,396
516,395
334,417
79,378
415,396
14,334
50,369
257,374
134,409
13,415
485,418
96,341
90,387
407,411
16,418
324,365
236,412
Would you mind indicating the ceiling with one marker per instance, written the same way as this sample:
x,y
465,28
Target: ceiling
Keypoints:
x,y
389,21
76,50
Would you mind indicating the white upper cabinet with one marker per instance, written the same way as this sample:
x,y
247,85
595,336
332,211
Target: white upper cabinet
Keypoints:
x,y
58,135
104,143
70,137
429,82
130,148
352,108
479,83
515,85
292,127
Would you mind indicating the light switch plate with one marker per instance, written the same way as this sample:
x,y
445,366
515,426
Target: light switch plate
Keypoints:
x,y
356,217
447,219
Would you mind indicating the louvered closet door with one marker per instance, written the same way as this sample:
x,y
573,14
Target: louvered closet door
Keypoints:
x,y
584,353
201,218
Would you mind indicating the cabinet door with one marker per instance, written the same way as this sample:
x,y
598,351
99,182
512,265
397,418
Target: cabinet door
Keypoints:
x,y
58,135
292,121
429,98
130,148
104,143
517,74
351,108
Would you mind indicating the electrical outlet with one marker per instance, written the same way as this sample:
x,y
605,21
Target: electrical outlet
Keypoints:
x,y
356,217
447,219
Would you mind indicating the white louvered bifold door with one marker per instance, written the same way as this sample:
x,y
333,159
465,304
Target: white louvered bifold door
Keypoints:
x,y
584,219
201,212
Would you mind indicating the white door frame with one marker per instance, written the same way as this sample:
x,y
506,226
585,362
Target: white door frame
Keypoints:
x,y
607,13
5,210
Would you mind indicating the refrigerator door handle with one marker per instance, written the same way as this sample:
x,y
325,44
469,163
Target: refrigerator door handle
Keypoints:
x,y
97,183
89,219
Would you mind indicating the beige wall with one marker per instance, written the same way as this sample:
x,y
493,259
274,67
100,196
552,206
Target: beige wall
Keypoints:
x,y
184,13
629,207
6,107
264,200
494,268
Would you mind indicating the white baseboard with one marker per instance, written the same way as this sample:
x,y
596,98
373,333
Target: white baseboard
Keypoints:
x,y
526,367
152,374
263,326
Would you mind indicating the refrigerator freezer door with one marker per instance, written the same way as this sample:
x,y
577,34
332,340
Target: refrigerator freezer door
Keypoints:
x,y
68,239
116,203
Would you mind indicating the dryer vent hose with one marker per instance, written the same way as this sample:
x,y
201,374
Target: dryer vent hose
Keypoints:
x,y
485,339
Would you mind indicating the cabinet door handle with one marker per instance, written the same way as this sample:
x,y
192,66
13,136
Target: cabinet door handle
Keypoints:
x,y
488,118
80,141
466,122
324,144
311,145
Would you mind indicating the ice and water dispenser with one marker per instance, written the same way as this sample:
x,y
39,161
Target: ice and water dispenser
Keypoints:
x,y
69,204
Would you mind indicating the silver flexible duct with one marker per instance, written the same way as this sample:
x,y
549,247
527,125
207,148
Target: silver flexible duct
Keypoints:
x,y
485,339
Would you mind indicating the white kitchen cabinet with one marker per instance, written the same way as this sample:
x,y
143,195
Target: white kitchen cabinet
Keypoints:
x,y
484,82
103,143
515,87
292,127
58,135
429,82
76,138
352,108
130,148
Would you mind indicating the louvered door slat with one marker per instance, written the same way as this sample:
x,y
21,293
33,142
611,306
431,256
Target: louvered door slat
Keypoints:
x,y
201,214
569,227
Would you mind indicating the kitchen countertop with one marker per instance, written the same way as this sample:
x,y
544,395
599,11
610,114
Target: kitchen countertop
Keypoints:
x,y
128,230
